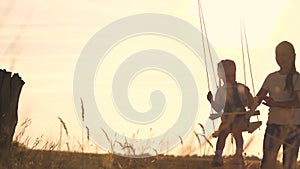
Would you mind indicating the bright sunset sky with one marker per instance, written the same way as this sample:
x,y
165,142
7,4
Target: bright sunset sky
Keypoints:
x,y
42,40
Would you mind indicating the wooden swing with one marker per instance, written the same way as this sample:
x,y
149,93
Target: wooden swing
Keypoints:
x,y
252,126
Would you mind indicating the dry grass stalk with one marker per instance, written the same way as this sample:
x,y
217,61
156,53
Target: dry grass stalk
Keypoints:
x,y
181,141
51,146
156,152
24,125
87,133
82,130
37,142
202,127
120,144
64,125
45,145
109,140
68,146
27,140
207,140
80,145
199,141
129,147
82,110
249,142
232,143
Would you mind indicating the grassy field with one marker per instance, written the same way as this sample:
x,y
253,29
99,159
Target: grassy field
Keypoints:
x,y
23,158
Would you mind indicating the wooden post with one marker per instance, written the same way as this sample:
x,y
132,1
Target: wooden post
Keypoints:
x,y
10,89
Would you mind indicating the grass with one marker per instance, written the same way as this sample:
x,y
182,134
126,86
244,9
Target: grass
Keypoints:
x,y
51,156
23,158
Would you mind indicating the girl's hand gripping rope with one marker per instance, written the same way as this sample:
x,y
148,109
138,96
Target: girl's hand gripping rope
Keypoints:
x,y
256,103
209,96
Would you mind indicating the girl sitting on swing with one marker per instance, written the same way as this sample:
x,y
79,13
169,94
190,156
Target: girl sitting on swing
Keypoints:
x,y
230,101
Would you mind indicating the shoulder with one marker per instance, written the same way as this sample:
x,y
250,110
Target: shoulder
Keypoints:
x,y
221,89
296,78
242,88
273,74
241,85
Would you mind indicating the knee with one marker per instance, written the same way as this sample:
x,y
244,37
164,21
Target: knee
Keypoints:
x,y
224,133
237,133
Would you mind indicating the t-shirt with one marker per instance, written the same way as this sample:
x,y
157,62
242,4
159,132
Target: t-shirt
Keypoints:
x,y
275,84
233,98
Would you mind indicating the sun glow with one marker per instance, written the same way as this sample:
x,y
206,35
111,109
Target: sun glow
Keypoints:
x,y
223,20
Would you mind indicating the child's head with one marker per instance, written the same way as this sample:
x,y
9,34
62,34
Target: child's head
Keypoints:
x,y
227,70
285,58
285,55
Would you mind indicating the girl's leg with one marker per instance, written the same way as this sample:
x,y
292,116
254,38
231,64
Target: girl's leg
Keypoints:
x,y
218,160
221,141
271,146
237,129
291,148
239,141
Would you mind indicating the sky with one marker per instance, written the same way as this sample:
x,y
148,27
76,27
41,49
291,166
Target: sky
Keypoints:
x,y
42,41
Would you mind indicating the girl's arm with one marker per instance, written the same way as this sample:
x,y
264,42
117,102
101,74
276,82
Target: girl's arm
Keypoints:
x,y
257,100
249,98
262,94
288,104
214,104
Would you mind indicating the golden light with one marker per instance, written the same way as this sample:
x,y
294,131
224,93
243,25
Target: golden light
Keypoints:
x,y
223,20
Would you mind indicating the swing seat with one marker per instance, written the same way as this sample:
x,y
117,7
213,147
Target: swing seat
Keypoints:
x,y
251,127
256,113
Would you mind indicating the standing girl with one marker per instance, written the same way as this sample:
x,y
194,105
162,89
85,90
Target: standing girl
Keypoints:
x,y
283,125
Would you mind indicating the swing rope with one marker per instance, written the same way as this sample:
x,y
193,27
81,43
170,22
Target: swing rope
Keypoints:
x,y
203,29
207,43
244,39
243,52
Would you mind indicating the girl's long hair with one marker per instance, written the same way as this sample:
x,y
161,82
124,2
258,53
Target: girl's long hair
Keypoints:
x,y
289,86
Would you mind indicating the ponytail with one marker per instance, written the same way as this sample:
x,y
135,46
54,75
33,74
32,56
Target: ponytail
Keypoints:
x,y
289,86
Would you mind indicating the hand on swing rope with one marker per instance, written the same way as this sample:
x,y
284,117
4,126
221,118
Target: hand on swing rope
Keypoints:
x,y
256,103
268,101
209,96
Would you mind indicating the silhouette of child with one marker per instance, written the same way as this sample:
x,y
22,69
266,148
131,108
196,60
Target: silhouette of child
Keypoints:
x,y
283,125
230,103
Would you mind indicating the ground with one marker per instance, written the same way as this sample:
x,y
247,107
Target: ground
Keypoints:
x,y
38,159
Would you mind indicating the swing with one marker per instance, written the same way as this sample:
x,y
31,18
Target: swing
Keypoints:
x,y
252,126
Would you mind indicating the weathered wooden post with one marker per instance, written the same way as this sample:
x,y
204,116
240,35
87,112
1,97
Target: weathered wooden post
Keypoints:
x,y
10,89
